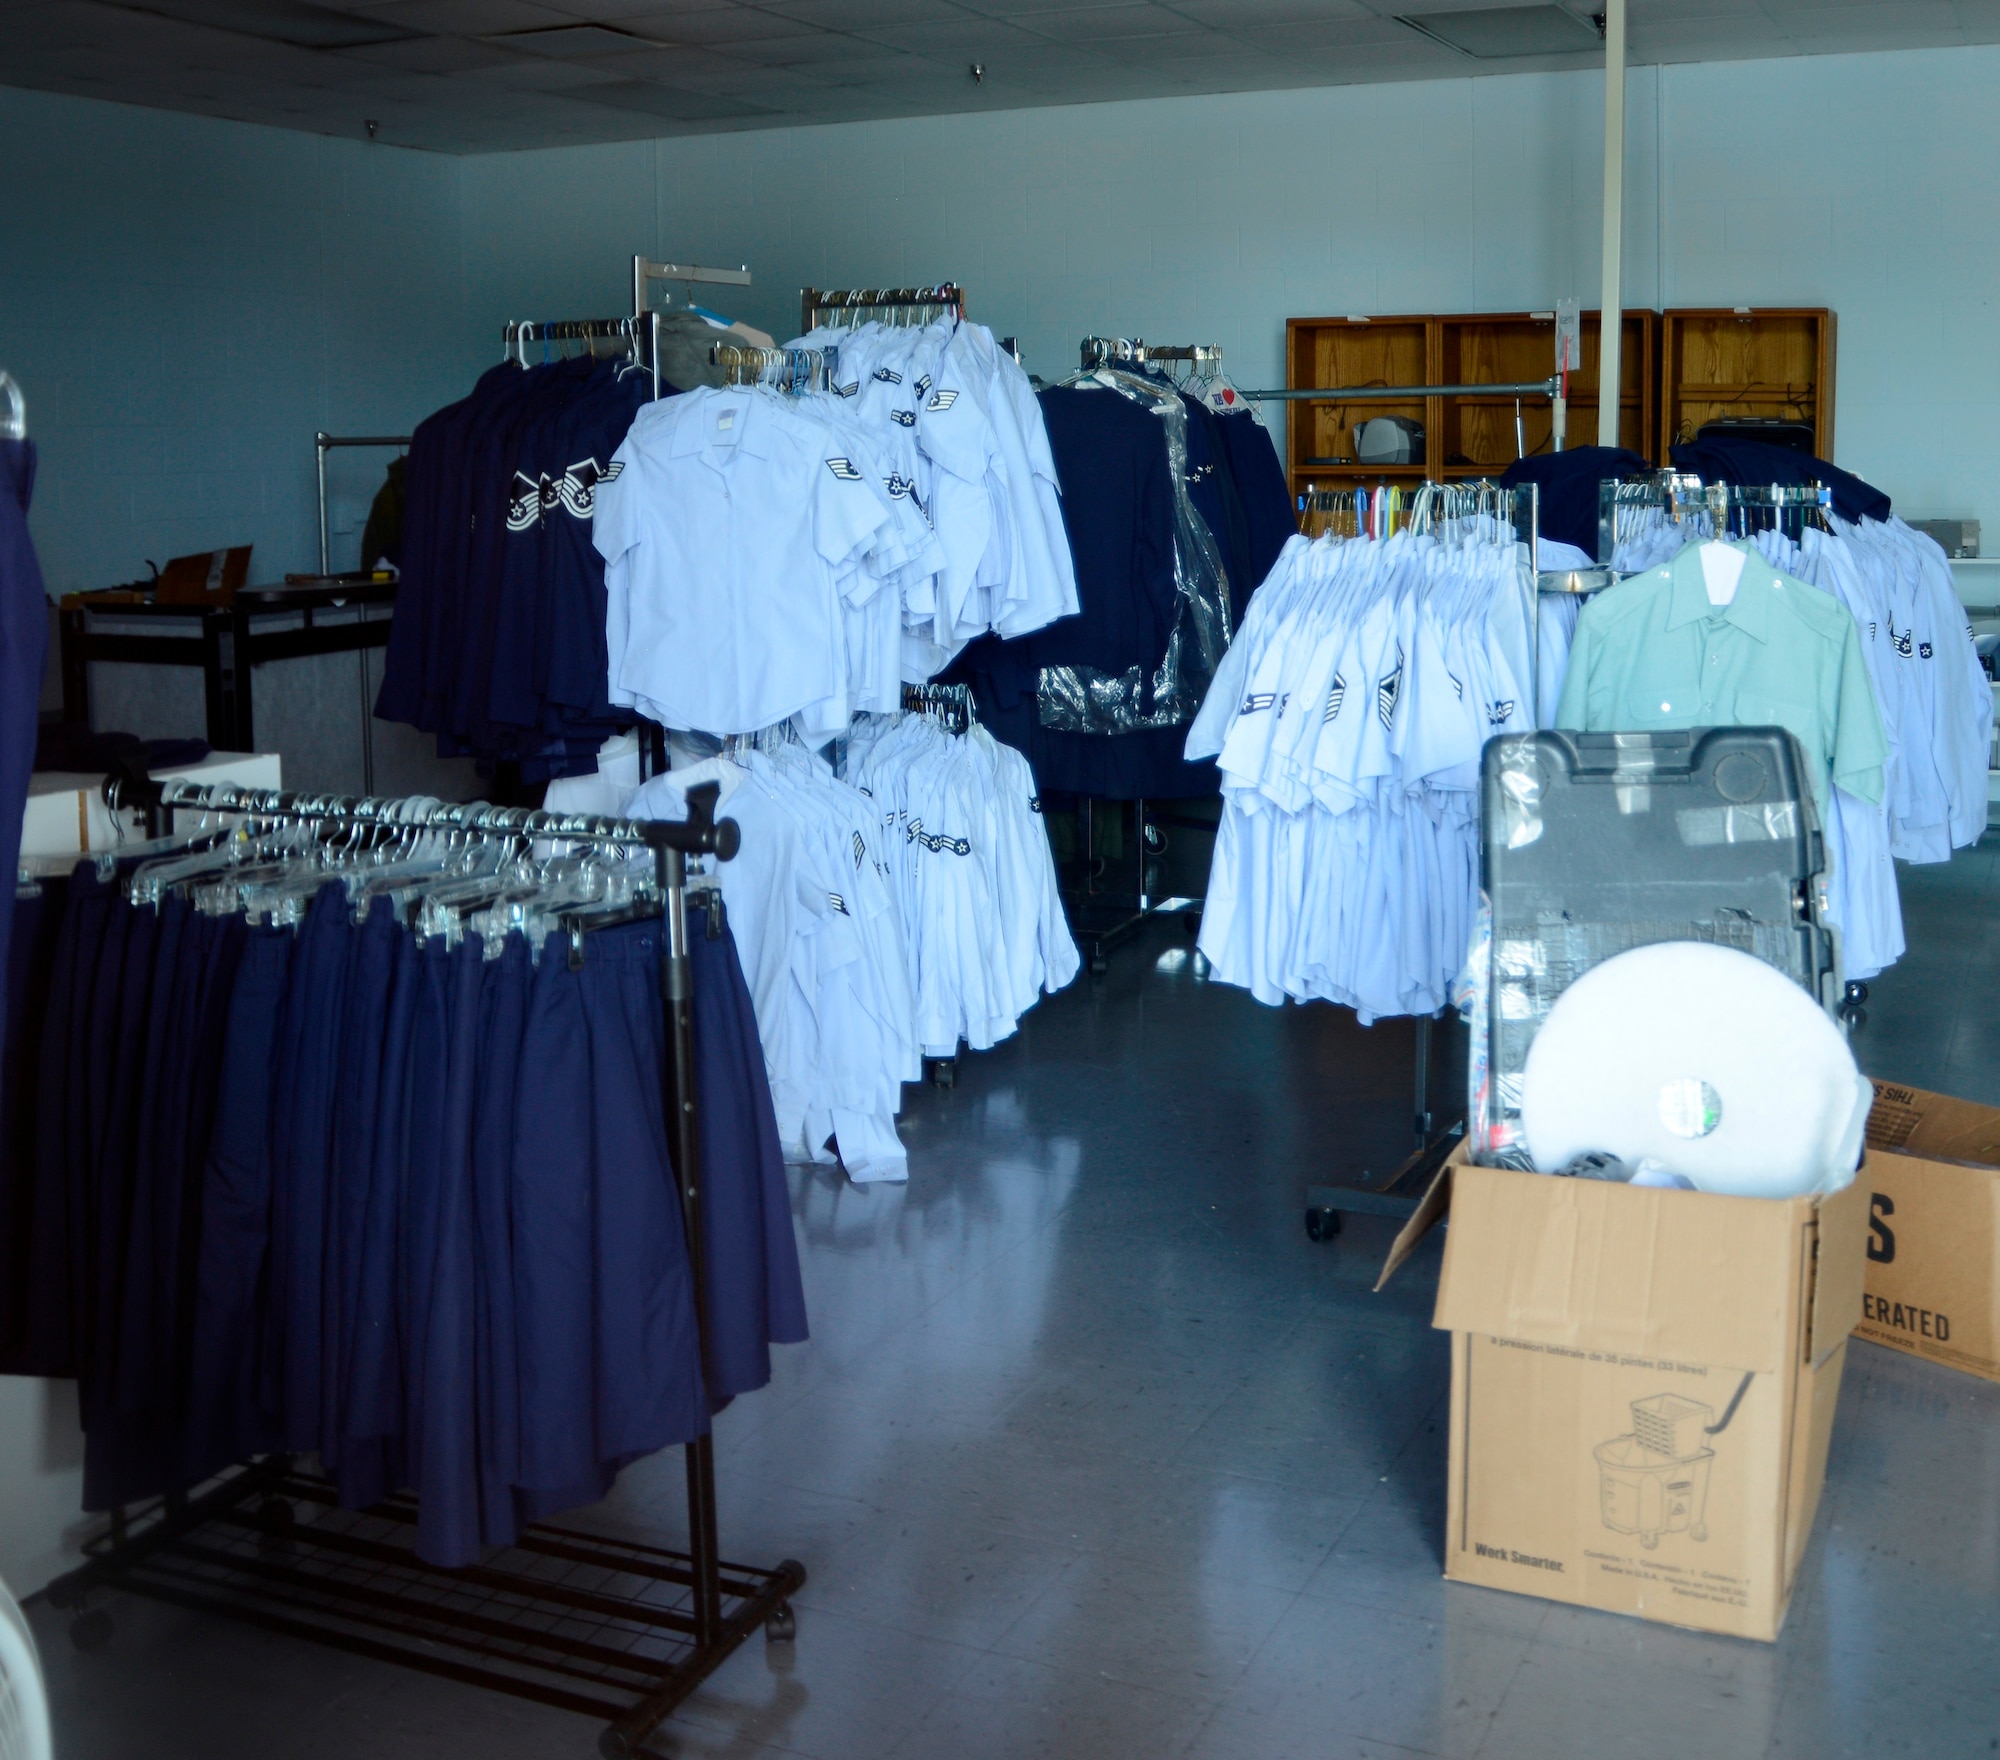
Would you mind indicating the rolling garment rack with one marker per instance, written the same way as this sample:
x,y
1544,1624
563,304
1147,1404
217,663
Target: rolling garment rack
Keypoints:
x,y
1101,922
606,1627
1436,1134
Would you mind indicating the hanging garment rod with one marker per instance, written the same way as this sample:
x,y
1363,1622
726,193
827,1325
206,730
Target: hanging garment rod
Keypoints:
x,y
698,834
799,369
517,333
1114,351
947,295
1549,387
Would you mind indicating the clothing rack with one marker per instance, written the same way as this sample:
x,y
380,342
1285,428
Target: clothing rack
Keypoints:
x,y
644,328
949,703
1399,1194
1686,499
790,369
1130,351
688,274
852,306
1549,387
1102,921
606,1627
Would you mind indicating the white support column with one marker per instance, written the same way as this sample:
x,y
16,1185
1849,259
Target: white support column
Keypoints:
x,y
1612,335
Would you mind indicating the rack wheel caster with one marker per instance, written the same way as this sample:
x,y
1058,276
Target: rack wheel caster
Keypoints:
x,y
91,1631
1322,1225
1699,1531
1856,994
1099,963
1191,923
782,1625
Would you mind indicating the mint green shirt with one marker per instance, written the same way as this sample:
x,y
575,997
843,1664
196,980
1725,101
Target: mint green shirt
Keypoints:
x,y
1652,652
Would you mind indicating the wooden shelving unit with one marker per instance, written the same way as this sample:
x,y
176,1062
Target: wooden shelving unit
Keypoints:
x,y
1350,352
1465,436
1760,362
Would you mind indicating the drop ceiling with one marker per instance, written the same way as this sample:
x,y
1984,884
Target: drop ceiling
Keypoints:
x,y
470,76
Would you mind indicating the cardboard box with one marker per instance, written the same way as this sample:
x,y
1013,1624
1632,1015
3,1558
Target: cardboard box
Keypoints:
x,y
1933,1175
1642,1388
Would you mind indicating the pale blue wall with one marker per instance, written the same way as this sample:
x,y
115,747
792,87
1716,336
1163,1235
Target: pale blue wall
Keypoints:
x,y
1867,183
186,301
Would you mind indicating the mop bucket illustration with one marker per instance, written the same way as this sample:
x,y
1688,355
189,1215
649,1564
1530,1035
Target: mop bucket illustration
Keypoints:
x,y
1654,1480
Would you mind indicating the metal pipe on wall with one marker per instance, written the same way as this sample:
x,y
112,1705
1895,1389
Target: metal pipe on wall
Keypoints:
x,y
1609,381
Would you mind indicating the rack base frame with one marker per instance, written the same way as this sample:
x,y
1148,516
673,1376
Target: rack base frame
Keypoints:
x,y
586,1622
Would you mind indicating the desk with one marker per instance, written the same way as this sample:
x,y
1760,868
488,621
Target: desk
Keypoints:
x,y
262,624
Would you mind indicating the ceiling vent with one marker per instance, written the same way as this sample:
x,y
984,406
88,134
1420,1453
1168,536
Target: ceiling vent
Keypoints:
x,y
1504,33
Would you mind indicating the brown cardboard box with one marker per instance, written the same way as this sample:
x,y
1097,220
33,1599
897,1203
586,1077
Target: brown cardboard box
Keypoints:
x,y
1642,1388
1933,1175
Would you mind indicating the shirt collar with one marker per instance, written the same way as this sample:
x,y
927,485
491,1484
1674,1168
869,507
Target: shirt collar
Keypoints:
x,y
696,430
1749,611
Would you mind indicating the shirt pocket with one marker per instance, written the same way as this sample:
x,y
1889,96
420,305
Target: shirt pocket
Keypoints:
x,y
1657,695
1769,708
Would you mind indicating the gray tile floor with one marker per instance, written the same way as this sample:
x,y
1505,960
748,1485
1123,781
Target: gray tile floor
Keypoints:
x,y
1094,1454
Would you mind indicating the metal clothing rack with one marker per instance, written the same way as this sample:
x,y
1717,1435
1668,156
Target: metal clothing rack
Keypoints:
x,y
1551,388
788,369
1130,351
1399,1194
606,1627
846,307
1711,508
1103,921
634,331
644,270
949,703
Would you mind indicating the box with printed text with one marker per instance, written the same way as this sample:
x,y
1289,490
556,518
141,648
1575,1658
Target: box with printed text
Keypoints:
x,y
1933,1178
1643,1388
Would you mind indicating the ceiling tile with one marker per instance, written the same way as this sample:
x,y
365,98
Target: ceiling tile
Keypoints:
x,y
1229,15
715,25
657,100
276,21
565,42
965,36
865,15
463,18
806,51
1339,35
431,55
1098,23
